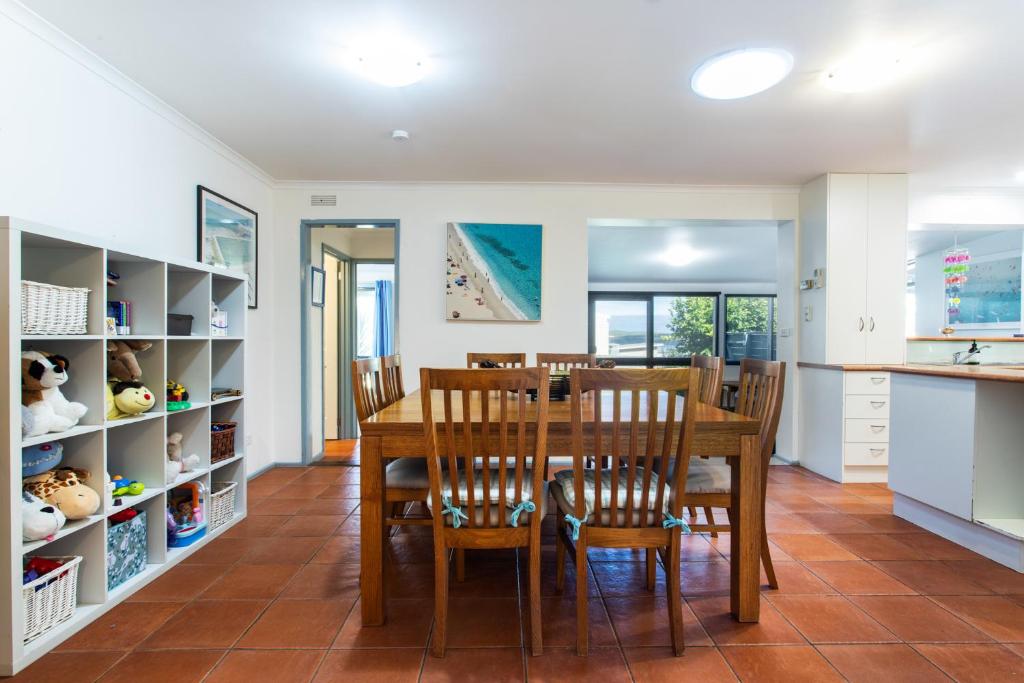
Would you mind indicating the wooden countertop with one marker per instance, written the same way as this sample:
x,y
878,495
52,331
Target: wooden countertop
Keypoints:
x,y
973,372
966,340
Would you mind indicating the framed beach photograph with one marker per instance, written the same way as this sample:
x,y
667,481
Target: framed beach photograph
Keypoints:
x,y
317,279
227,235
493,272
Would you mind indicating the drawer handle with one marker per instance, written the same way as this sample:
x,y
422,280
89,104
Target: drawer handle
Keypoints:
x,y
877,404
877,428
877,380
877,451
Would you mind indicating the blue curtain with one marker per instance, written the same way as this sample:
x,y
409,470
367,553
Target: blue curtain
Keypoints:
x,y
384,337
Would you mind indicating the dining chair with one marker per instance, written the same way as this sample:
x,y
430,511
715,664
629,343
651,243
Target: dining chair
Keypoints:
x,y
709,483
376,384
505,360
566,361
493,492
626,504
706,385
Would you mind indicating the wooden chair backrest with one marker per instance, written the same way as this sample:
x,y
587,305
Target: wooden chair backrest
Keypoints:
x,y
366,387
505,360
501,441
706,379
671,439
391,378
566,361
762,384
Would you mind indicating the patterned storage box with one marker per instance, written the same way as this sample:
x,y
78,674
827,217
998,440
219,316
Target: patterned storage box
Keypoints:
x,y
126,550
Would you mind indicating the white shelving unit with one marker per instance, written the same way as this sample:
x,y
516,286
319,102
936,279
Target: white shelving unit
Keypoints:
x,y
132,447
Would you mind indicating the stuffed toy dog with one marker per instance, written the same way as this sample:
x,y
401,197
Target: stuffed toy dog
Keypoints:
x,y
39,519
122,364
125,399
64,489
176,463
41,378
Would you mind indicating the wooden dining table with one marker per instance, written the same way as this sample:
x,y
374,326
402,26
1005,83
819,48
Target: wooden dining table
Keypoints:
x,y
397,432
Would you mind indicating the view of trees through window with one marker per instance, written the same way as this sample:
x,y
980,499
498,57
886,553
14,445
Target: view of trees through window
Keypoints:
x,y
750,323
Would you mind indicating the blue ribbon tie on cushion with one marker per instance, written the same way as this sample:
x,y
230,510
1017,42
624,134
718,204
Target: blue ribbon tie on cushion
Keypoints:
x,y
525,506
576,524
448,509
671,521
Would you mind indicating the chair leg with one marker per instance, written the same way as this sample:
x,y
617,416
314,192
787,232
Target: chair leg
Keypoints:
x,y
582,620
693,511
652,567
766,558
460,564
559,564
710,520
440,637
675,599
536,625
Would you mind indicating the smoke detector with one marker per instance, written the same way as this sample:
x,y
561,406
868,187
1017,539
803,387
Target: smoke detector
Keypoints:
x,y
399,135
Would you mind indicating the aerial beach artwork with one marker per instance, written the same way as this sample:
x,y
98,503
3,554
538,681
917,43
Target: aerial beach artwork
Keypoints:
x,y
493,272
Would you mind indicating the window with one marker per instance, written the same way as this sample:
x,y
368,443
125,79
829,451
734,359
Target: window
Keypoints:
x,y
750,327
649,329
367,326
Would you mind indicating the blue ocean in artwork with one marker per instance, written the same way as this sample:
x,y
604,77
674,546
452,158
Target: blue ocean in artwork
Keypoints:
x,y
513,255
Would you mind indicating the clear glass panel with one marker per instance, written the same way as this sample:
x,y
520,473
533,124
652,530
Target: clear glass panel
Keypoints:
x,y
620,328
750,323
684,325
367,275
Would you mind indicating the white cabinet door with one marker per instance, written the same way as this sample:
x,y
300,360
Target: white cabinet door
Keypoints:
x,y
845,278
886,268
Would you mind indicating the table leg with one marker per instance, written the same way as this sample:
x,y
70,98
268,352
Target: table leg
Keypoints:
x,y
371,509
745,539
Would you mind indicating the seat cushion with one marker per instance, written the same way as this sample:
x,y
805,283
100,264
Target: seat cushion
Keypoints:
x,y
408,473
708,476
477,513
564,493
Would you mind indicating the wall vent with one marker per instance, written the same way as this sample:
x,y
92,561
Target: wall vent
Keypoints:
x,y
323,200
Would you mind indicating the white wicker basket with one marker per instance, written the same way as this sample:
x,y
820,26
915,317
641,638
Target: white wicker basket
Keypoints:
x,y
49,309
222,503
51,598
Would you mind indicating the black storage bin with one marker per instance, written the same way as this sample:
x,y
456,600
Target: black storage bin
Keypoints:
x,y
179,325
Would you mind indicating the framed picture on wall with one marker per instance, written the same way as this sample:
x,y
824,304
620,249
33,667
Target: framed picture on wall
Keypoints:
x,y
227,236
991,297
317,280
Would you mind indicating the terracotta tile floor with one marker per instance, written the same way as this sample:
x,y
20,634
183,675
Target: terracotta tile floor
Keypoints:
x,y
864,596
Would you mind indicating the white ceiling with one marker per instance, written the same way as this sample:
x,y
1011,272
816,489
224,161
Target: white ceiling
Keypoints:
x,y
577,90
727,251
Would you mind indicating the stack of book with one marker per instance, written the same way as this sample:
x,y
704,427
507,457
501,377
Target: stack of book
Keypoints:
x,y
119,317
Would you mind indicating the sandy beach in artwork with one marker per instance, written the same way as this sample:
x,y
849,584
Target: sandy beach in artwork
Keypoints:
x,y
478,297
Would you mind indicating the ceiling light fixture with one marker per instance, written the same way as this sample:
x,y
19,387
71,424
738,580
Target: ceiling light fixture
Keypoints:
x,y
387,60
741,73
678,255
867,69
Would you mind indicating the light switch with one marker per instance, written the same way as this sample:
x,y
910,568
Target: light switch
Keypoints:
x,y
808,313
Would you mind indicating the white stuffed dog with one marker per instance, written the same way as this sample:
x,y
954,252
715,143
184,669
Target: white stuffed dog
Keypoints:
x,y
41,377
39,519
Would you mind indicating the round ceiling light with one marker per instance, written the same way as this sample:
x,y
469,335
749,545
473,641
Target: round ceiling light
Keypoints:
x,y
679,255
741,73
389,61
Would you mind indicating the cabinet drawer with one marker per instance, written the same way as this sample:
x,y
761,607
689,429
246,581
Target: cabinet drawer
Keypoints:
x,y
865,454
867,431
869,406
867,383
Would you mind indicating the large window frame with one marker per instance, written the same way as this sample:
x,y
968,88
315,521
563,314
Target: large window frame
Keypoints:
x,y
649,360
773,343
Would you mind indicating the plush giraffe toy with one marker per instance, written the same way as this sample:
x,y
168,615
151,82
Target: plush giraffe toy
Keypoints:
x,y
64,488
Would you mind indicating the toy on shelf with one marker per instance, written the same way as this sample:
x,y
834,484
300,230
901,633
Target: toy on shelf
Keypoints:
x,y
64,487
41,457
122,516
39,519
128,399
176,463
172,530
41,378
223,392
39,566
218,321
126,487
187,507
122,365
113,278
177,396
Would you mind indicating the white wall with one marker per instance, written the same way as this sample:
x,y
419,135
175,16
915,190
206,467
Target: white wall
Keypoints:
x,y
87,150
425,338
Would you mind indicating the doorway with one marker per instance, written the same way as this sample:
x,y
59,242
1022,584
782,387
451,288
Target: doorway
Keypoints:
x,y
355,317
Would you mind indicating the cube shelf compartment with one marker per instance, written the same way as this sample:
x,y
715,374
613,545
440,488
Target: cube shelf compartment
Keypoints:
x,y
133,447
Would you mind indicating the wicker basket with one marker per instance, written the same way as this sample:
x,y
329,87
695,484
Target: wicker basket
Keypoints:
x,y
51,599
222,443
222,504
49,309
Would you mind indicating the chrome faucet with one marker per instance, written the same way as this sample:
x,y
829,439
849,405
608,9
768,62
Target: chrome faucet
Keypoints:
x,y
962,357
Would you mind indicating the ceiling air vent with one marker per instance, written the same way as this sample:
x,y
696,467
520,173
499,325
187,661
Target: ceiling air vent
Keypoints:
x,y
323,200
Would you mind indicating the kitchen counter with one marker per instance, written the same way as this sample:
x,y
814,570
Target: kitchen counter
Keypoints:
x,y
995,372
